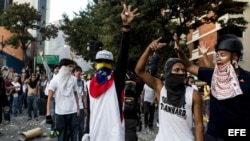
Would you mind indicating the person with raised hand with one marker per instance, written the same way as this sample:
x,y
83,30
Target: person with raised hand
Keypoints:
x,y
230,87
106,120
203,48
179,105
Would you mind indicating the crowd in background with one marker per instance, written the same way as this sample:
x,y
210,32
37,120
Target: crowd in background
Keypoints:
x,y
115,97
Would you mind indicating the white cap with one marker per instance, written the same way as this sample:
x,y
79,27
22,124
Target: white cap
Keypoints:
x,y
104,55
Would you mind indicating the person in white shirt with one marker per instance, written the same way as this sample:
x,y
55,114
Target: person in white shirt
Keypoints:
x,y
179,105
17,86
191,82
50,74
148,102
106,121
64,87
82,96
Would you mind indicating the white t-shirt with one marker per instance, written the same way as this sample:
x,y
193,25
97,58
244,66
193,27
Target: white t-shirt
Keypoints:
x,y
16,84
80,92
195,87
148,93
24,87
65,100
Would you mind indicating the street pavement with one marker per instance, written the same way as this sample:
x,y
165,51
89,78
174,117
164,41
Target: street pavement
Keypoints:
x,y
19,124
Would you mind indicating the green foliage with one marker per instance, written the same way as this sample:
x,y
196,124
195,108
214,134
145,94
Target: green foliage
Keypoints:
x,y
101,23
19,19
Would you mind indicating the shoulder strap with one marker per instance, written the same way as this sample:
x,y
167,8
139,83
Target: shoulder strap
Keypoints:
x,y
83,86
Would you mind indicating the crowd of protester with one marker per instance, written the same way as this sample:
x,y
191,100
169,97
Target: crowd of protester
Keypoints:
x,y
108,106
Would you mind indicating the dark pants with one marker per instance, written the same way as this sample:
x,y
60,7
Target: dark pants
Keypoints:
x,y
149,111
67,126
20,102
1,114
81,124
130,130
7,113
25,101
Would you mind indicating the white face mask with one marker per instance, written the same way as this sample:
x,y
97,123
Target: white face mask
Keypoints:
x,y
70,69
65,70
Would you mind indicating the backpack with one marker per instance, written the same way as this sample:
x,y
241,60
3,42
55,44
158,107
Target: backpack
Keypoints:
x,y
129,100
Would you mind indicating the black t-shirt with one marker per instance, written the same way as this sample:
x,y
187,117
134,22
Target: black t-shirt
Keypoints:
x,y
231,113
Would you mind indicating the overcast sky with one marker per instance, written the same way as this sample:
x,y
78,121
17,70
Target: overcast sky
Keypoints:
x,y
58,7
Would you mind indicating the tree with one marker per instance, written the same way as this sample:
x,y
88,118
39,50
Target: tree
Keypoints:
x,y
20,19
158,18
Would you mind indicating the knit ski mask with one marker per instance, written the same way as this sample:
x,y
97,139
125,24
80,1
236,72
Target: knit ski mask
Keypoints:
x,y
175,84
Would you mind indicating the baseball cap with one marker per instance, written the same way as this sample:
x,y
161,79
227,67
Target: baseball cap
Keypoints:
x,y
104,55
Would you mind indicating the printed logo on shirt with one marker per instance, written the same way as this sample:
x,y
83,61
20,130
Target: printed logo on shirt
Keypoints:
x,y
179,111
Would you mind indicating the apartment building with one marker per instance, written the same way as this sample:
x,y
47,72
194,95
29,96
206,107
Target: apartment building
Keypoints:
x,y
13,57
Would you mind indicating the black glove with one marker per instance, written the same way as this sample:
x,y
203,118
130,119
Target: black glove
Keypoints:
x,y
49,119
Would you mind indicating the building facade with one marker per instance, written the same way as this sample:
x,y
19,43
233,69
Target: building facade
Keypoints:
x,y
17,54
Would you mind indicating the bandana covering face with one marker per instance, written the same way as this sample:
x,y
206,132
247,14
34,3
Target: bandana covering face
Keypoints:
x,y
103,75
63,77
174,84
96,88
225,83
175,89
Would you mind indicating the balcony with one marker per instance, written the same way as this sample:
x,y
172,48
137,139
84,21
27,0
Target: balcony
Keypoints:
x,y
196,55
195,35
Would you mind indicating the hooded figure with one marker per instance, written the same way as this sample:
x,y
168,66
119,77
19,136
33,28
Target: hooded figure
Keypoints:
x,y
179,106
175,84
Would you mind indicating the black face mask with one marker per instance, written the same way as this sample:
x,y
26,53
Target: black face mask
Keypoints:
x,y
176,89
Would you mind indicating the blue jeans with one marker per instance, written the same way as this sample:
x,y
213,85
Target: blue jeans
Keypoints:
x,y
52,113
6,115
15,105
67,126
32,105
81,121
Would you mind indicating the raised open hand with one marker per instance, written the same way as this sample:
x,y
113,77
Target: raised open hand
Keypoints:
x,y
203,47
127,15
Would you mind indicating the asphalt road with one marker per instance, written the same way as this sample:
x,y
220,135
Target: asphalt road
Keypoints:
x,y
19,124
